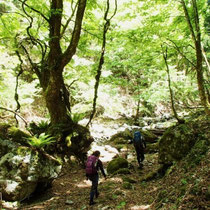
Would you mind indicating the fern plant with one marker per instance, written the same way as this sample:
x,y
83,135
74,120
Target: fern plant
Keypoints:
x,y
43,124
76,117
40,141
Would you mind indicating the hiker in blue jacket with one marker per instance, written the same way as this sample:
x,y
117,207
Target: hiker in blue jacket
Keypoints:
x,y
93,165
139,145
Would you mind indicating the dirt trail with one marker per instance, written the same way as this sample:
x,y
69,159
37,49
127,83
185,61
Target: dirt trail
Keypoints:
x,y
71,190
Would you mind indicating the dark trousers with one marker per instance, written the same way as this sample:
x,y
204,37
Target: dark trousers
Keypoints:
x,y
94,188
140,154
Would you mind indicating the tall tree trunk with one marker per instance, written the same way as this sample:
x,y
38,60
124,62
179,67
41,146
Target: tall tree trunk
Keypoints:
x,y
50,69
196,36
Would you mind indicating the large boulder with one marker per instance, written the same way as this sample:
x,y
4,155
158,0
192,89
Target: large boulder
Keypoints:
x,y
116,164
176,143
123,137
178,140
149,136
23,168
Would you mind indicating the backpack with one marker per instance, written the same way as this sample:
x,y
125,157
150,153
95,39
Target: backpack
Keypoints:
x,y
91,165
138,139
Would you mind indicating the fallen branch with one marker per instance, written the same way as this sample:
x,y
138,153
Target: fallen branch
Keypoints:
x,y
9,110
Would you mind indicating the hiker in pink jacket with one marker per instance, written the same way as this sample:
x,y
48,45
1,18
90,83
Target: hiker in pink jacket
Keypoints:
x,y
93,164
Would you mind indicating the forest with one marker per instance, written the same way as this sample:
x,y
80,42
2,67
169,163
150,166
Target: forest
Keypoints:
x,y
78,76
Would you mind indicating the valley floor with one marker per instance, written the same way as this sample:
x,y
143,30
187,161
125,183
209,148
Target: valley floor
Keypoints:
x,y
71,191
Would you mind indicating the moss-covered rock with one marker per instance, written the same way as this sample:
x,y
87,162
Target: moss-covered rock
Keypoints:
x,y
197,153
17,135
120,140
122,136
149,136
3,130
178,140
13,133
152,148
176,143
116,164
122,171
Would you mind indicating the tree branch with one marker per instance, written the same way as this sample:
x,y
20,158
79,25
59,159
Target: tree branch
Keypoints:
x,y
14,112
30,21
33,40
33,65
70,18
182,54
197,25
71,49
24,2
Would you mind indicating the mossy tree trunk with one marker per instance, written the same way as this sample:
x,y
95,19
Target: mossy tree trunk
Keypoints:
x,y
49,65
50,73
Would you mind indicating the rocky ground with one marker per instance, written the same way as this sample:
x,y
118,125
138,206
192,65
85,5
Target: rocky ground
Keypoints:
x,y
71,190
185,185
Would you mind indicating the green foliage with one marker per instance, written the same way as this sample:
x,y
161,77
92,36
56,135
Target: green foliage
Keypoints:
x,y
184,181
76,117
43,125
41,141
133,61
40,128
121,205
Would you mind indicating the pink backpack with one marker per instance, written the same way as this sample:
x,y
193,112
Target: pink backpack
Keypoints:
x,y
91,165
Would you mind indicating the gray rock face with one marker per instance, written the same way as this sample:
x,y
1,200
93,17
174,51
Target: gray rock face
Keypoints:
x,y
22,169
